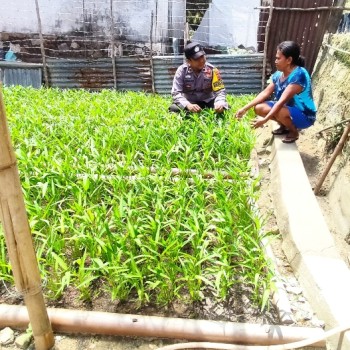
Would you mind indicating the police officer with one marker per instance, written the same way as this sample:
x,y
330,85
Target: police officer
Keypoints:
x,y
197,84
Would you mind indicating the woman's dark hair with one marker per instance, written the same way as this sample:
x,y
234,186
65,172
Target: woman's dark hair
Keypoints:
x,y
292,49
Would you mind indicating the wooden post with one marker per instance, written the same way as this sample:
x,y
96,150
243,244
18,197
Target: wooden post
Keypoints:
x,y
19,240
113,46
267,34
42,47
151,54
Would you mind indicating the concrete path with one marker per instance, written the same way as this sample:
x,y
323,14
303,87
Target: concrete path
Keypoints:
x,y
308,243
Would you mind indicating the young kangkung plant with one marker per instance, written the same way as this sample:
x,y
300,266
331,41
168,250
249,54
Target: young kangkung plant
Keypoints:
x,y
143,203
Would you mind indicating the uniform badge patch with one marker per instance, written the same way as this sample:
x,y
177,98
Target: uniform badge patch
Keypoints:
x,y
217,82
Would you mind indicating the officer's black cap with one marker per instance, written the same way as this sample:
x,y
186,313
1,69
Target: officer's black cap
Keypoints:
x,y
193,50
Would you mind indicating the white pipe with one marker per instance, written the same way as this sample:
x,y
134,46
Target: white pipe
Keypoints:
x,y
294,345
93,322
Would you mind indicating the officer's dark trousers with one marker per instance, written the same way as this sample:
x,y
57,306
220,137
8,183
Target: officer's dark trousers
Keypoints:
x,y
176,109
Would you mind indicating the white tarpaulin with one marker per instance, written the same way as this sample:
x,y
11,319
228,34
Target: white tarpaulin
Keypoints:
x,y
229,23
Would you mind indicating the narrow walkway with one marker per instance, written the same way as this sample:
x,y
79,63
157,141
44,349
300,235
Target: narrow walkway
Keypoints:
x,y
308,243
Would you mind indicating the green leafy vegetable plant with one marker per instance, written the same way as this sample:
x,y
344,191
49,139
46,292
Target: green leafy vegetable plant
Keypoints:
x,y
124,195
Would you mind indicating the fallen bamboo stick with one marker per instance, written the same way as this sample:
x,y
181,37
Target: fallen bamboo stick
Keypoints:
x,y
177,172
19,240
332,126
337,150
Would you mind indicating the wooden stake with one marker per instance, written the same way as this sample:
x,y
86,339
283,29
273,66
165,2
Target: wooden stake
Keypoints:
x,y
267,34
19,240
113,46
151,53
42,46
336,151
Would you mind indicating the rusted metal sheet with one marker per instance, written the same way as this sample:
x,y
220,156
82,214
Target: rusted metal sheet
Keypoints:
x,y
242,74
79,73
306,26
20,73
164,68
132,73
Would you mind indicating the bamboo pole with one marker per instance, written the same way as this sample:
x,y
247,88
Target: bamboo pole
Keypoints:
x,y
42,47
332,126
19,240
267,33
151,53
106,323
174,171
113,46
337,49
337,150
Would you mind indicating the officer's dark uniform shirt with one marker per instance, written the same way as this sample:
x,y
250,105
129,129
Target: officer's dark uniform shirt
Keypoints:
x,y
189,87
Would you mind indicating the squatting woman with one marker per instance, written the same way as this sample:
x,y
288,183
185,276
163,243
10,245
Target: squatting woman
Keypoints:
x,y
292,105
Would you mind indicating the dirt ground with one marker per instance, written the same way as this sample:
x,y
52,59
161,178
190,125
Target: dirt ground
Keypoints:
x,y
237,309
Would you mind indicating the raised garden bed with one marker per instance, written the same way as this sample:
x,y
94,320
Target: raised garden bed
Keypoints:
x,y
127,200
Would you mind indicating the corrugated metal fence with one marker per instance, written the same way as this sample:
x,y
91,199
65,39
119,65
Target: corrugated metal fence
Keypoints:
x,y
19,73
131,73
242,74
303,21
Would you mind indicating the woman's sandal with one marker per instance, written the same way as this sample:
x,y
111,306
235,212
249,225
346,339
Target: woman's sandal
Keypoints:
x,y
280,131
290,139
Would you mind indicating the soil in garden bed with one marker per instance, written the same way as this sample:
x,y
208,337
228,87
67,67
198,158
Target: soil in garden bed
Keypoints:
x,y
238,307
